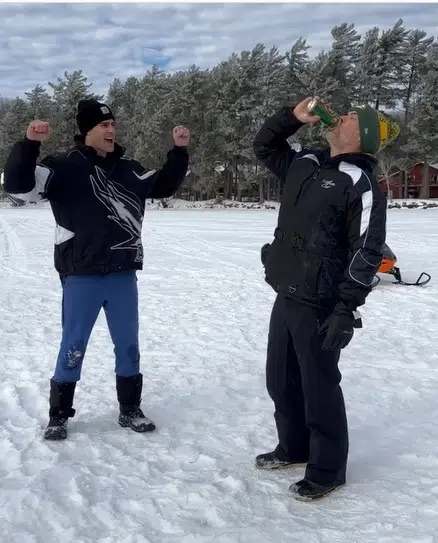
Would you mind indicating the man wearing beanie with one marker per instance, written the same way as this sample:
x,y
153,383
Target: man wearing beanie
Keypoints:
x,y
97,195
326,250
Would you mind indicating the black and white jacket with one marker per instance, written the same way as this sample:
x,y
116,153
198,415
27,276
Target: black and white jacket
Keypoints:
x,y
332,220
98,203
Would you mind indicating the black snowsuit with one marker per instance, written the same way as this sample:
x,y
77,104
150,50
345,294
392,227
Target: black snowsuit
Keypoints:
x,y
327,248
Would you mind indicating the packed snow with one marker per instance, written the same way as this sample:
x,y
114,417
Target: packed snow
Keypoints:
x,y
204,318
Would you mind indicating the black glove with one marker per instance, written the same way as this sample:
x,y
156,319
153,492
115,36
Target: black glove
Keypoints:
x,y
339,328
264,252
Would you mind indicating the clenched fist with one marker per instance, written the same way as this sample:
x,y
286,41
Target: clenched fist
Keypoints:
x,y
38,131
181,136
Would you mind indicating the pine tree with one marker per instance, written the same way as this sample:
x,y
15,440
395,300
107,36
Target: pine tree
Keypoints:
x,y
389,65
14,126
122,98
424,138
39,103
341,63
66,94
224,106
297,74
414,52
365,73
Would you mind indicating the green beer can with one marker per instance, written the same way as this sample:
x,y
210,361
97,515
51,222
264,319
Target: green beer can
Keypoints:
x,y
327,116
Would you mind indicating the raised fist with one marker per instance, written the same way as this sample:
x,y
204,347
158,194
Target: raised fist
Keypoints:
x,y
38,131
181,136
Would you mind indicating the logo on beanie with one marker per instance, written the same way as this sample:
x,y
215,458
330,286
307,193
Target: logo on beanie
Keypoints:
x,y
91,113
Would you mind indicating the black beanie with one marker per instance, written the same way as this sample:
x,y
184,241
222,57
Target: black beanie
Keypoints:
x,y
90,114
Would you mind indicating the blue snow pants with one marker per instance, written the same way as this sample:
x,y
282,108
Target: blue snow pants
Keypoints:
x,y
83,298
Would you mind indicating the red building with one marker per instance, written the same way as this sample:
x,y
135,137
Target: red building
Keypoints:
x,y
394,186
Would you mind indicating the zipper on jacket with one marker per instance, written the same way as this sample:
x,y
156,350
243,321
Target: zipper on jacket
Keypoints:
x,y
306,181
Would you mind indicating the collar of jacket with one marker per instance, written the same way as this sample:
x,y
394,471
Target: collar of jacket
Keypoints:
x,y
363,161
91,153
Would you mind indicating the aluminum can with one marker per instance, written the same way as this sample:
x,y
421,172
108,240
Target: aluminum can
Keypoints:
x,y
327,116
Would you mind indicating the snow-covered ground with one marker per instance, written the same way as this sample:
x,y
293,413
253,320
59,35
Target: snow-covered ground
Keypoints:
x,y
177,203
204,318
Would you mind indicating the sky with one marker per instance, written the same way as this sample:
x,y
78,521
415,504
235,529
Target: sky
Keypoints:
x,y
40,41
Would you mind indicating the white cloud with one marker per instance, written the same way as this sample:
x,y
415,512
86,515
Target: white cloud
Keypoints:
x,y
39,42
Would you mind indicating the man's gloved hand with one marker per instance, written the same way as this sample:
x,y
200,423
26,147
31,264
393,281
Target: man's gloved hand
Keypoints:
x,y
264,252
339,328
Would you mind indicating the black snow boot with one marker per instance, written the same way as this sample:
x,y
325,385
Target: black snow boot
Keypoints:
x,y
61,401
305,490
274,460
129,396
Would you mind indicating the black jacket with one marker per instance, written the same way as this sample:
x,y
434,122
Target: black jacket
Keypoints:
x,y
98,203
332,220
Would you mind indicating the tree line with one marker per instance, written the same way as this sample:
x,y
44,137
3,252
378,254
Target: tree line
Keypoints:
x,y
394,70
